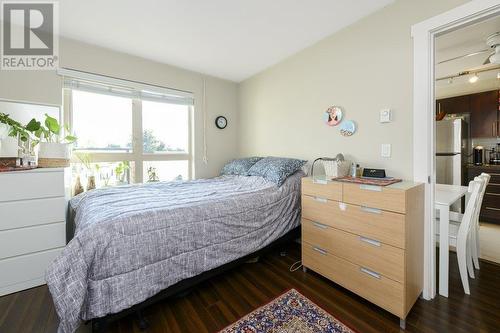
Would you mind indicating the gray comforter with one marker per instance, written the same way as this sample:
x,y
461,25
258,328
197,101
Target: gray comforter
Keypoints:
x,y
132,242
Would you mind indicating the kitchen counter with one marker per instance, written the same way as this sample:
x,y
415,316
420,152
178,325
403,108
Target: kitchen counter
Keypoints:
x,y
484,166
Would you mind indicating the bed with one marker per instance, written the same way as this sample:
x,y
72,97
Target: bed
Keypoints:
x,y
133,242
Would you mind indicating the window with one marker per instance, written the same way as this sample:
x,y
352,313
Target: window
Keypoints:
x,y
128,132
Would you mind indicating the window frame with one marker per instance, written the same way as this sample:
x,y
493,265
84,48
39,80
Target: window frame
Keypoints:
x,y
137,156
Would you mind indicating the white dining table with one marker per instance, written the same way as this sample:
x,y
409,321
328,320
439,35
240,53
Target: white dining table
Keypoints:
x,y
444,197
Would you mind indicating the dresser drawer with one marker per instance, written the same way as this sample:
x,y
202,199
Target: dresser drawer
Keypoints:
x,y
375,197
18,214
18,271
383,226
16,242
371,285
385,259
23,185
329,190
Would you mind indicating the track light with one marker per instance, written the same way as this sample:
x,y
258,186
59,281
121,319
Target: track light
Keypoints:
x,y
473,78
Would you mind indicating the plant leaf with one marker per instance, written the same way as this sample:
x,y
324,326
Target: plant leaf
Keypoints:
x,y
33,125
52,124
70,138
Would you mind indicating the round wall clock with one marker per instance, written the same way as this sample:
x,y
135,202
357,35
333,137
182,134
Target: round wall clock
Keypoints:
x,y
221,122
333,115
348,128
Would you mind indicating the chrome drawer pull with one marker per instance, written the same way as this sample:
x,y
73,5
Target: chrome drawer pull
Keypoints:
x,y
371,188
370,272
320,199
320,250
320,181
369,241
491,208
320,225
371,210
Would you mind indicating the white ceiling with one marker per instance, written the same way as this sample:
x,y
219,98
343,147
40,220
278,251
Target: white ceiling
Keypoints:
x,y
463,41
231,39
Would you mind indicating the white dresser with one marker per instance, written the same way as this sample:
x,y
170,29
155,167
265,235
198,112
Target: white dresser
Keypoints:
x,y
32,225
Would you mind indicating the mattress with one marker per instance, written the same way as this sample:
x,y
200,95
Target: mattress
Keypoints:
x,y
132,242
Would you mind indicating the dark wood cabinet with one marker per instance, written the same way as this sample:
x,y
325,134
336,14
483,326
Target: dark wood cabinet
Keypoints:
x,y
484,114
490,209
454,105
483,109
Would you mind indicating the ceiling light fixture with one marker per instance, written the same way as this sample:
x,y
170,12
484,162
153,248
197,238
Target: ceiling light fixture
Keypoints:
x,y
450,80
498,75
474,78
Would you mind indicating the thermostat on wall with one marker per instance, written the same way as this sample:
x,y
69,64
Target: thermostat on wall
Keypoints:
x,y
385,116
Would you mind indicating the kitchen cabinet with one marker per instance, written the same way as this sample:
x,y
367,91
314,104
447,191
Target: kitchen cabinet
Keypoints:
x,y
454,105
483,109
490,209
484,115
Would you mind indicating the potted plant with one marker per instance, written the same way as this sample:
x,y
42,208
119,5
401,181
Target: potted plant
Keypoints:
x,y
20,134
54,149
120,172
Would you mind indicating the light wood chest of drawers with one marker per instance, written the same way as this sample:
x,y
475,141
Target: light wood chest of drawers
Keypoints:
x,y
32,225
368,239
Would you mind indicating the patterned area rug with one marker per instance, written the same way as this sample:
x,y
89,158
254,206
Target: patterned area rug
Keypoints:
x,y
291,312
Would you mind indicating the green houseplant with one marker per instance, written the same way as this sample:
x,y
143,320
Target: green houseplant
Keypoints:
x,y
54,148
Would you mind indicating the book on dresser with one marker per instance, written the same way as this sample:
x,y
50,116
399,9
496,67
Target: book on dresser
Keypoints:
x,y
32,225
368,239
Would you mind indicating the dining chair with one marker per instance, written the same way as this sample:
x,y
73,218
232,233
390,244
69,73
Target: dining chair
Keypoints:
x,y
460,232
475,246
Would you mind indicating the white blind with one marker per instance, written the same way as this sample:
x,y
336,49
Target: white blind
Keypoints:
x,y
124,88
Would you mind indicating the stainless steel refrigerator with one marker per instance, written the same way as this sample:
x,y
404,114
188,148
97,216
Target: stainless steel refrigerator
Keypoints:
x,y
452,150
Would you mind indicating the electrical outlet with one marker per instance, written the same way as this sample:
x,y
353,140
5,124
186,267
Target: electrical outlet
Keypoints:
x,y
385,115
385,150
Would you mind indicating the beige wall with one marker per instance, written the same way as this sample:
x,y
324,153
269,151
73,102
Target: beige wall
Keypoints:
x,y
363,68
45,87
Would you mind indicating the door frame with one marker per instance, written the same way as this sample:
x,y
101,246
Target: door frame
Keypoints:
x,y
424,168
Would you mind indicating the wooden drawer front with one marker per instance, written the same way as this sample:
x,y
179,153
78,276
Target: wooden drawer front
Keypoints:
x,y
17,214
375,287
385,259
493,188
330,190
491,200
386,227
16,242
25,268
31,185
376,197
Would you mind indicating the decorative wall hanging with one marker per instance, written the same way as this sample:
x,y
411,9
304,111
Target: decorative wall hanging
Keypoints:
x,y
333,115
348,128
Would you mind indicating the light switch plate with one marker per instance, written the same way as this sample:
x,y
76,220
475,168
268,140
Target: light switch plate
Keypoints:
x,y
385,150
385,115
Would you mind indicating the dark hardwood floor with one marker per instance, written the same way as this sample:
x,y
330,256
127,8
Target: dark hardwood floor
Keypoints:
x,y
222,300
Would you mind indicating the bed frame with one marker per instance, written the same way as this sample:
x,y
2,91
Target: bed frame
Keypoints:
x,y
101,324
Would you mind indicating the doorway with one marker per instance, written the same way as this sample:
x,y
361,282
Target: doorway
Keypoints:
x,y
424,113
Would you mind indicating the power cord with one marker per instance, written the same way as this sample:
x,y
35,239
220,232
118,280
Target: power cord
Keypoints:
x,y
296,266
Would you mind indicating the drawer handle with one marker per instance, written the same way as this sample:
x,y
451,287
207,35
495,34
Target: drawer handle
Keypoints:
x,y
369,241
371,210
492,193
320,250
371,188
370,272
320,181
320,199
320,225
491,208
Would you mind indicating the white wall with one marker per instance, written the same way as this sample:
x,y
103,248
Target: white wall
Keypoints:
x,y
46,87
363,68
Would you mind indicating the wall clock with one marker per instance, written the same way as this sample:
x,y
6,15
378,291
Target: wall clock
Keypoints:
x,y
221,122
